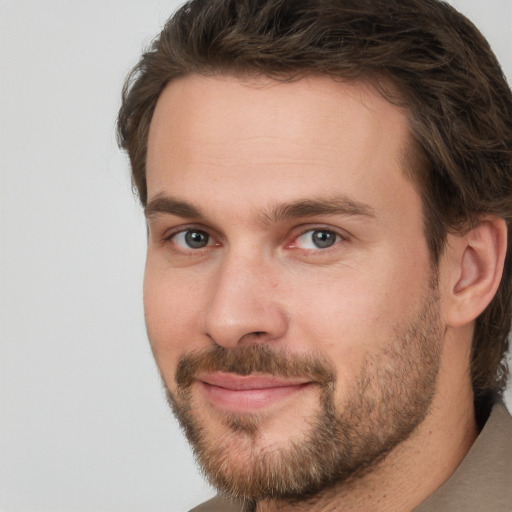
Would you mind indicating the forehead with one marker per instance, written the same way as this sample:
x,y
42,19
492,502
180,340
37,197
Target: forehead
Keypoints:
x,y
277,138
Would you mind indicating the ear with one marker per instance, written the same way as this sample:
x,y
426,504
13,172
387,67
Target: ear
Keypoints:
x,y
474,270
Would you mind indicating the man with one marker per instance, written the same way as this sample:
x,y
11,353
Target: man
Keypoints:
x,y
328,190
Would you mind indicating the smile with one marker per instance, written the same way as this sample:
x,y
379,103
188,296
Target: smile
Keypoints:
x,y
248,392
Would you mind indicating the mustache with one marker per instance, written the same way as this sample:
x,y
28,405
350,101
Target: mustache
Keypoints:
x,y
248,359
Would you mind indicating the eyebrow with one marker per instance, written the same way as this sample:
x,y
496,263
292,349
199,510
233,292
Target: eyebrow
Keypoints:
x,y
170,206
336,205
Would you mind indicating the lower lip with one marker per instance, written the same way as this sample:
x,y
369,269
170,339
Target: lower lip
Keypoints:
x,y
249,399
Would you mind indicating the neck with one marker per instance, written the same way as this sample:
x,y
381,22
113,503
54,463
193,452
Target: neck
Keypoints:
x,y
414,469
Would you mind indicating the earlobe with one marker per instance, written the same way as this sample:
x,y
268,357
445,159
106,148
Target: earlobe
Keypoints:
x,y
479,258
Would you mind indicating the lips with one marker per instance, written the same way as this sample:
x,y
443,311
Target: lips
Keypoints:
x,y
248,392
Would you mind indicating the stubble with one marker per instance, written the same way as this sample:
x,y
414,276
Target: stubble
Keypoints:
x,y
343,440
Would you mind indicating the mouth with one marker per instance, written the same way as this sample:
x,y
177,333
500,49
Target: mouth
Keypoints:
x,y
246,393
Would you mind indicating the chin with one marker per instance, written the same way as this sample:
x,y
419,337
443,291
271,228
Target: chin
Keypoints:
x,y
319,439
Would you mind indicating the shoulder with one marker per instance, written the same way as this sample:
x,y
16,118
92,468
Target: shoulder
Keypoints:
x,y
218,504
482,481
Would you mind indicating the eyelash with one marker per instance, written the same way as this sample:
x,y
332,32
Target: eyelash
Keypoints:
x,y
320,229
168,239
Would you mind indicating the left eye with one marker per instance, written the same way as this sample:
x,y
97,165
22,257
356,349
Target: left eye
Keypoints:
x,y
317,239
191,239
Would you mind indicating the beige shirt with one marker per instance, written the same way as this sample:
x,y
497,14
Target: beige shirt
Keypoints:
x,y
482,482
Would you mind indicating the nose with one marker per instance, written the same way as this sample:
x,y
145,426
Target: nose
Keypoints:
x,y
244,306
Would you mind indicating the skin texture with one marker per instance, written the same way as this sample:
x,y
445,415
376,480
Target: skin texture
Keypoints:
x,y
239,174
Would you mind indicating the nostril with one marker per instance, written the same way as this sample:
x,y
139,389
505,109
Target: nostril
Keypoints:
x,y
254,337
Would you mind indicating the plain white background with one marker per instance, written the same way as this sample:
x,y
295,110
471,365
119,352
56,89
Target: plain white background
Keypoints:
x,y
84,426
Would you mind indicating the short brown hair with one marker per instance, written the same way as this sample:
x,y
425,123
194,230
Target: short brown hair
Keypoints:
x,y
458,102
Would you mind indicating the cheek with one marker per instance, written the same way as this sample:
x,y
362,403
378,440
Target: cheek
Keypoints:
x,y
354,314
171,314
342,325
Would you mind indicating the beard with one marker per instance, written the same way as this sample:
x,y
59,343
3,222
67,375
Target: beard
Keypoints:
x,y
344,439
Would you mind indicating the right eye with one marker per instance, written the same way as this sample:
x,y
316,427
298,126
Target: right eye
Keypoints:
x,y
191,239
317,239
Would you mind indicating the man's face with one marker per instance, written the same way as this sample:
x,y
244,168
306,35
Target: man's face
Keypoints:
x,y
289,296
